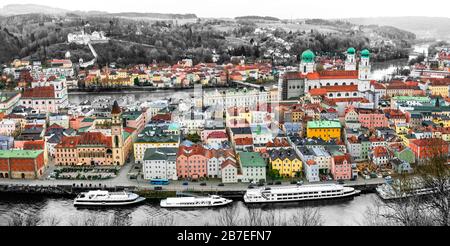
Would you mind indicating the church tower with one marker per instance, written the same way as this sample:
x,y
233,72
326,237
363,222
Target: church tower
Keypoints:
x,y
307,62
350,62
116,134
364,71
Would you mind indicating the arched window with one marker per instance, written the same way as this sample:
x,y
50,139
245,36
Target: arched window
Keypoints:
x,y
347,94
339,94
335,83
355,94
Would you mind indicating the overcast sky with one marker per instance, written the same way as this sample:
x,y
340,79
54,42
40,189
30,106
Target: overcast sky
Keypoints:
x,y
285,9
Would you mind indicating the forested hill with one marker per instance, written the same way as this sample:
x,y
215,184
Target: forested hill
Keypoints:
x,y
143,39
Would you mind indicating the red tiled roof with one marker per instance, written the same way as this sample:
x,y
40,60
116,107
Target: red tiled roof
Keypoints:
x,y
244,141
217,134
192,150
318,92
341,88
333,74
34,145
39,92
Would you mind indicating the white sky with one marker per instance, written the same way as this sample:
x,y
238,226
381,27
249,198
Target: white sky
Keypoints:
x,y
285,9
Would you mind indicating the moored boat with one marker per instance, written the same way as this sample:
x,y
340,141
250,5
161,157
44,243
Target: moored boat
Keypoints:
x,y
194,202
106,198
298,193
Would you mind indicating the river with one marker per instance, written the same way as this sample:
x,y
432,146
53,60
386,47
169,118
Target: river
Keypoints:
x,y
333,213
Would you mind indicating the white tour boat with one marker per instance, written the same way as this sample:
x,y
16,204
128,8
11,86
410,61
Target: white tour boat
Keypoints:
x,y
106,198
298,193
391,192
194,202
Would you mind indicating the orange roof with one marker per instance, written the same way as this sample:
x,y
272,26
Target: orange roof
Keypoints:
x,y
333,74
341,88
39,92
318,92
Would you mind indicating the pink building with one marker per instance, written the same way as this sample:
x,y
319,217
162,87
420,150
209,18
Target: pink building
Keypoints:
x,y
192,162
341,167
372,119
41,98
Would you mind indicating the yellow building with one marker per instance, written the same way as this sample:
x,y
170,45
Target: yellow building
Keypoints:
x,y
401,129
439,90
286,161
324,129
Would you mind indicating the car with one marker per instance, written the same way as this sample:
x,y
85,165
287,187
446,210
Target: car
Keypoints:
x,y
293,182
300,182
260,184
251,186
185,183
203,184
221,184
278,183
270,183
341,181
158,188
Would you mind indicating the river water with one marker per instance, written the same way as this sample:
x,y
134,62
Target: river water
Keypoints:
x,y
333,213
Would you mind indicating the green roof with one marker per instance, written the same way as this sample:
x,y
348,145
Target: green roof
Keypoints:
x,y
251,159
84,129
125,135
365,53
410,98
351,51
323,124
131,115
88,120
308,56
16,153
160,154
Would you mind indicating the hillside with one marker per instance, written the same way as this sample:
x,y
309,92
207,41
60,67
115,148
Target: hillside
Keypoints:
x,y
423,27
139,38
21,9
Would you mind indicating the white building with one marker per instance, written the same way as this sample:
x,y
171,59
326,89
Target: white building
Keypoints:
x,y
229,172
7,127
253,167
236,98
160,164
311,170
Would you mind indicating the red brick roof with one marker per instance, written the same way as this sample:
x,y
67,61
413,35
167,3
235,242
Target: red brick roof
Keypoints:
x,y
39,92
34,145
217,134
318,92
341,88
192,150
333,74
244,141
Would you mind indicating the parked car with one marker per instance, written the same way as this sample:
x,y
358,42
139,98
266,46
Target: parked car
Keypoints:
x,y
341,181
203,184
293,182
251,186
221,184
158,188
260,184
278,183
270,183
185,183
300,182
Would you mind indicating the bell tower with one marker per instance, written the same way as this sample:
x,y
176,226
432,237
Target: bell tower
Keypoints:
x,y
116,134
350,62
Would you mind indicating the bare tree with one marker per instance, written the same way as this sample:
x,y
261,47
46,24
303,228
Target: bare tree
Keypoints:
x,y
228,217
159,221
18,219
307,217
51,220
